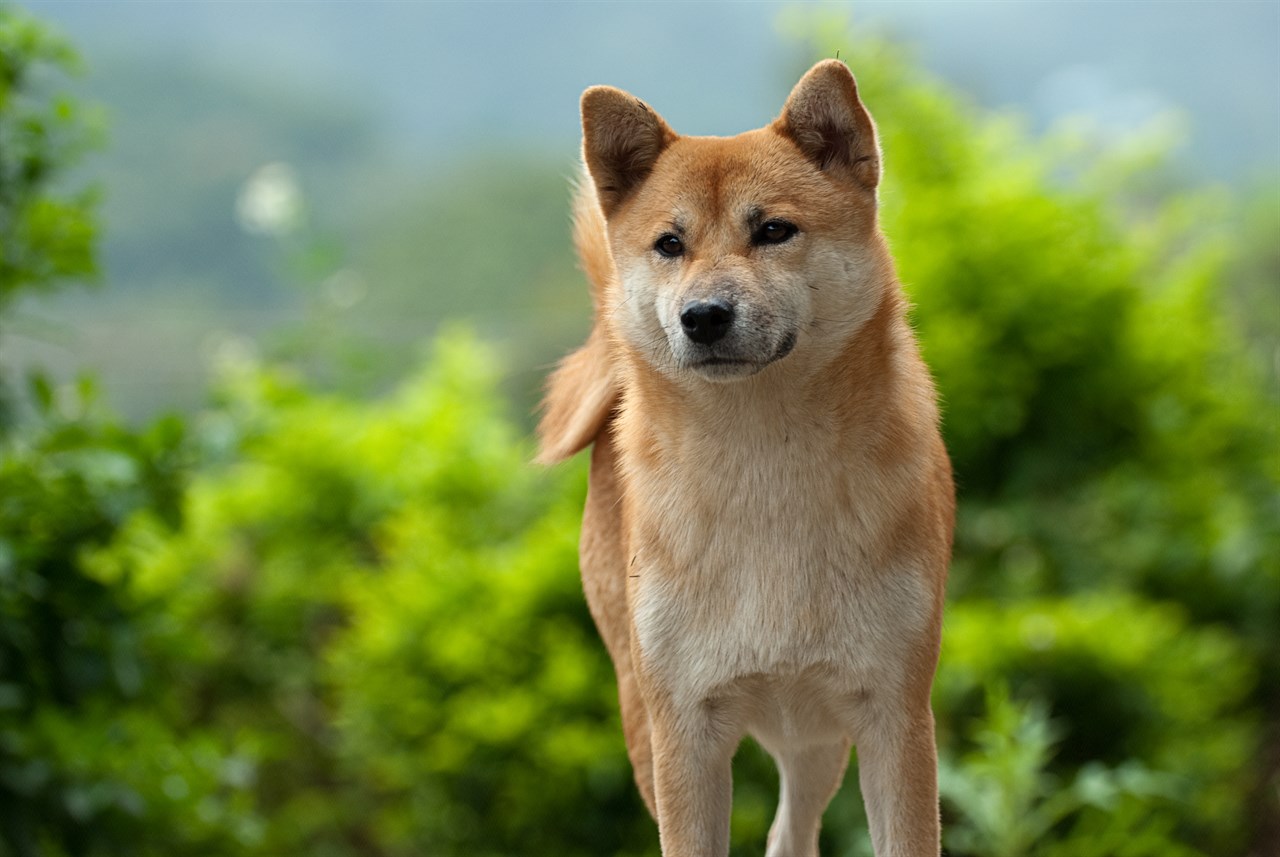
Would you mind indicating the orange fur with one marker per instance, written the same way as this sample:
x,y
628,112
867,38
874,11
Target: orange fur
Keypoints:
x,y
582,391
769,515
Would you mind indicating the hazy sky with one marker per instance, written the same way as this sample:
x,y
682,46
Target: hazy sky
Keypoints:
x,y
441,75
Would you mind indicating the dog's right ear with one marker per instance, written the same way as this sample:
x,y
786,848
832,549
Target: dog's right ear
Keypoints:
x,y
621,140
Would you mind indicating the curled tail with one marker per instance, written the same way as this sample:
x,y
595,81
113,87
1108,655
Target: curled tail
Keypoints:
x,y
582,392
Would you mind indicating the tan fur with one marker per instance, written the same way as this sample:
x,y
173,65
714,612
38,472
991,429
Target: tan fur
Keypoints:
x,y
582,392
769,516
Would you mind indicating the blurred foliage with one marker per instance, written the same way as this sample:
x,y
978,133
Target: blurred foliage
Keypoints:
x,y
1008,805
387,605
74,681
47,233
313,623
1130,686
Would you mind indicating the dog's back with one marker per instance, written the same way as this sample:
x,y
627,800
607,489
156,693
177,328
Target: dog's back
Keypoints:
x,y
770,508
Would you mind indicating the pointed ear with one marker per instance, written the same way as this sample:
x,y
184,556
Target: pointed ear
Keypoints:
x,y
825,119
621,140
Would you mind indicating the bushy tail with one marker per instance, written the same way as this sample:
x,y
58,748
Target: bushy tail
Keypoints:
x,y
582,393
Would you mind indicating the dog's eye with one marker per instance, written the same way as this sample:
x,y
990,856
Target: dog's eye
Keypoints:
x,y
774,232
670,246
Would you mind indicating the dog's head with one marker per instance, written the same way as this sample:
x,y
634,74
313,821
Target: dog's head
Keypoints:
x,y
734,253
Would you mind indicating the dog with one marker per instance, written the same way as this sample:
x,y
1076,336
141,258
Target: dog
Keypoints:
x,y
770,506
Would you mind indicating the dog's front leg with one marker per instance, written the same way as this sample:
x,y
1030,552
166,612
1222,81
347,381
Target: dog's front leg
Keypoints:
x,y
693,779
898,772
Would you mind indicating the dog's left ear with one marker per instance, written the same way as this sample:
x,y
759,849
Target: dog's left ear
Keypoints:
x,y
825,118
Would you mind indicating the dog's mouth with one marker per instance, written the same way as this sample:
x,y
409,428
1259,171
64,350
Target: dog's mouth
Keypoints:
x,y
717,366
725,361
785,347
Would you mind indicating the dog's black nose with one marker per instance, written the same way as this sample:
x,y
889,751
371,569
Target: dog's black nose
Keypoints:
x,y
706,321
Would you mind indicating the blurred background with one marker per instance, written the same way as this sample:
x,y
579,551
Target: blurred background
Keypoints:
x,y
279,283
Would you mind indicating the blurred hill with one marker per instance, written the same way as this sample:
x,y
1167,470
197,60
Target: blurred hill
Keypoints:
x,y
437,76
399,122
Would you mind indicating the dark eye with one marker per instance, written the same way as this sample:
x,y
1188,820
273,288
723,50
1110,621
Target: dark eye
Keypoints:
x,y
670,246
774,232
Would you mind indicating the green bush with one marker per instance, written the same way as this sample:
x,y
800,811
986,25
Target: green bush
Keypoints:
x,y
48,233
1008,804
1126,683
1107,422
92,760
385,597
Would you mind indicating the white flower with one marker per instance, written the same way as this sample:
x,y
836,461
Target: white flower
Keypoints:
x,y
270,202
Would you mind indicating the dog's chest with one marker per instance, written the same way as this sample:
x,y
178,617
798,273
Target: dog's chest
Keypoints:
x,y
766,564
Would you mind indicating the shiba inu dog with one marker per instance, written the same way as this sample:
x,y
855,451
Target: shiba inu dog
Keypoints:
x,y
770,508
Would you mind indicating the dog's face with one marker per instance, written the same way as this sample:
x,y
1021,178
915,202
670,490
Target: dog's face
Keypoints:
x,y
734,253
